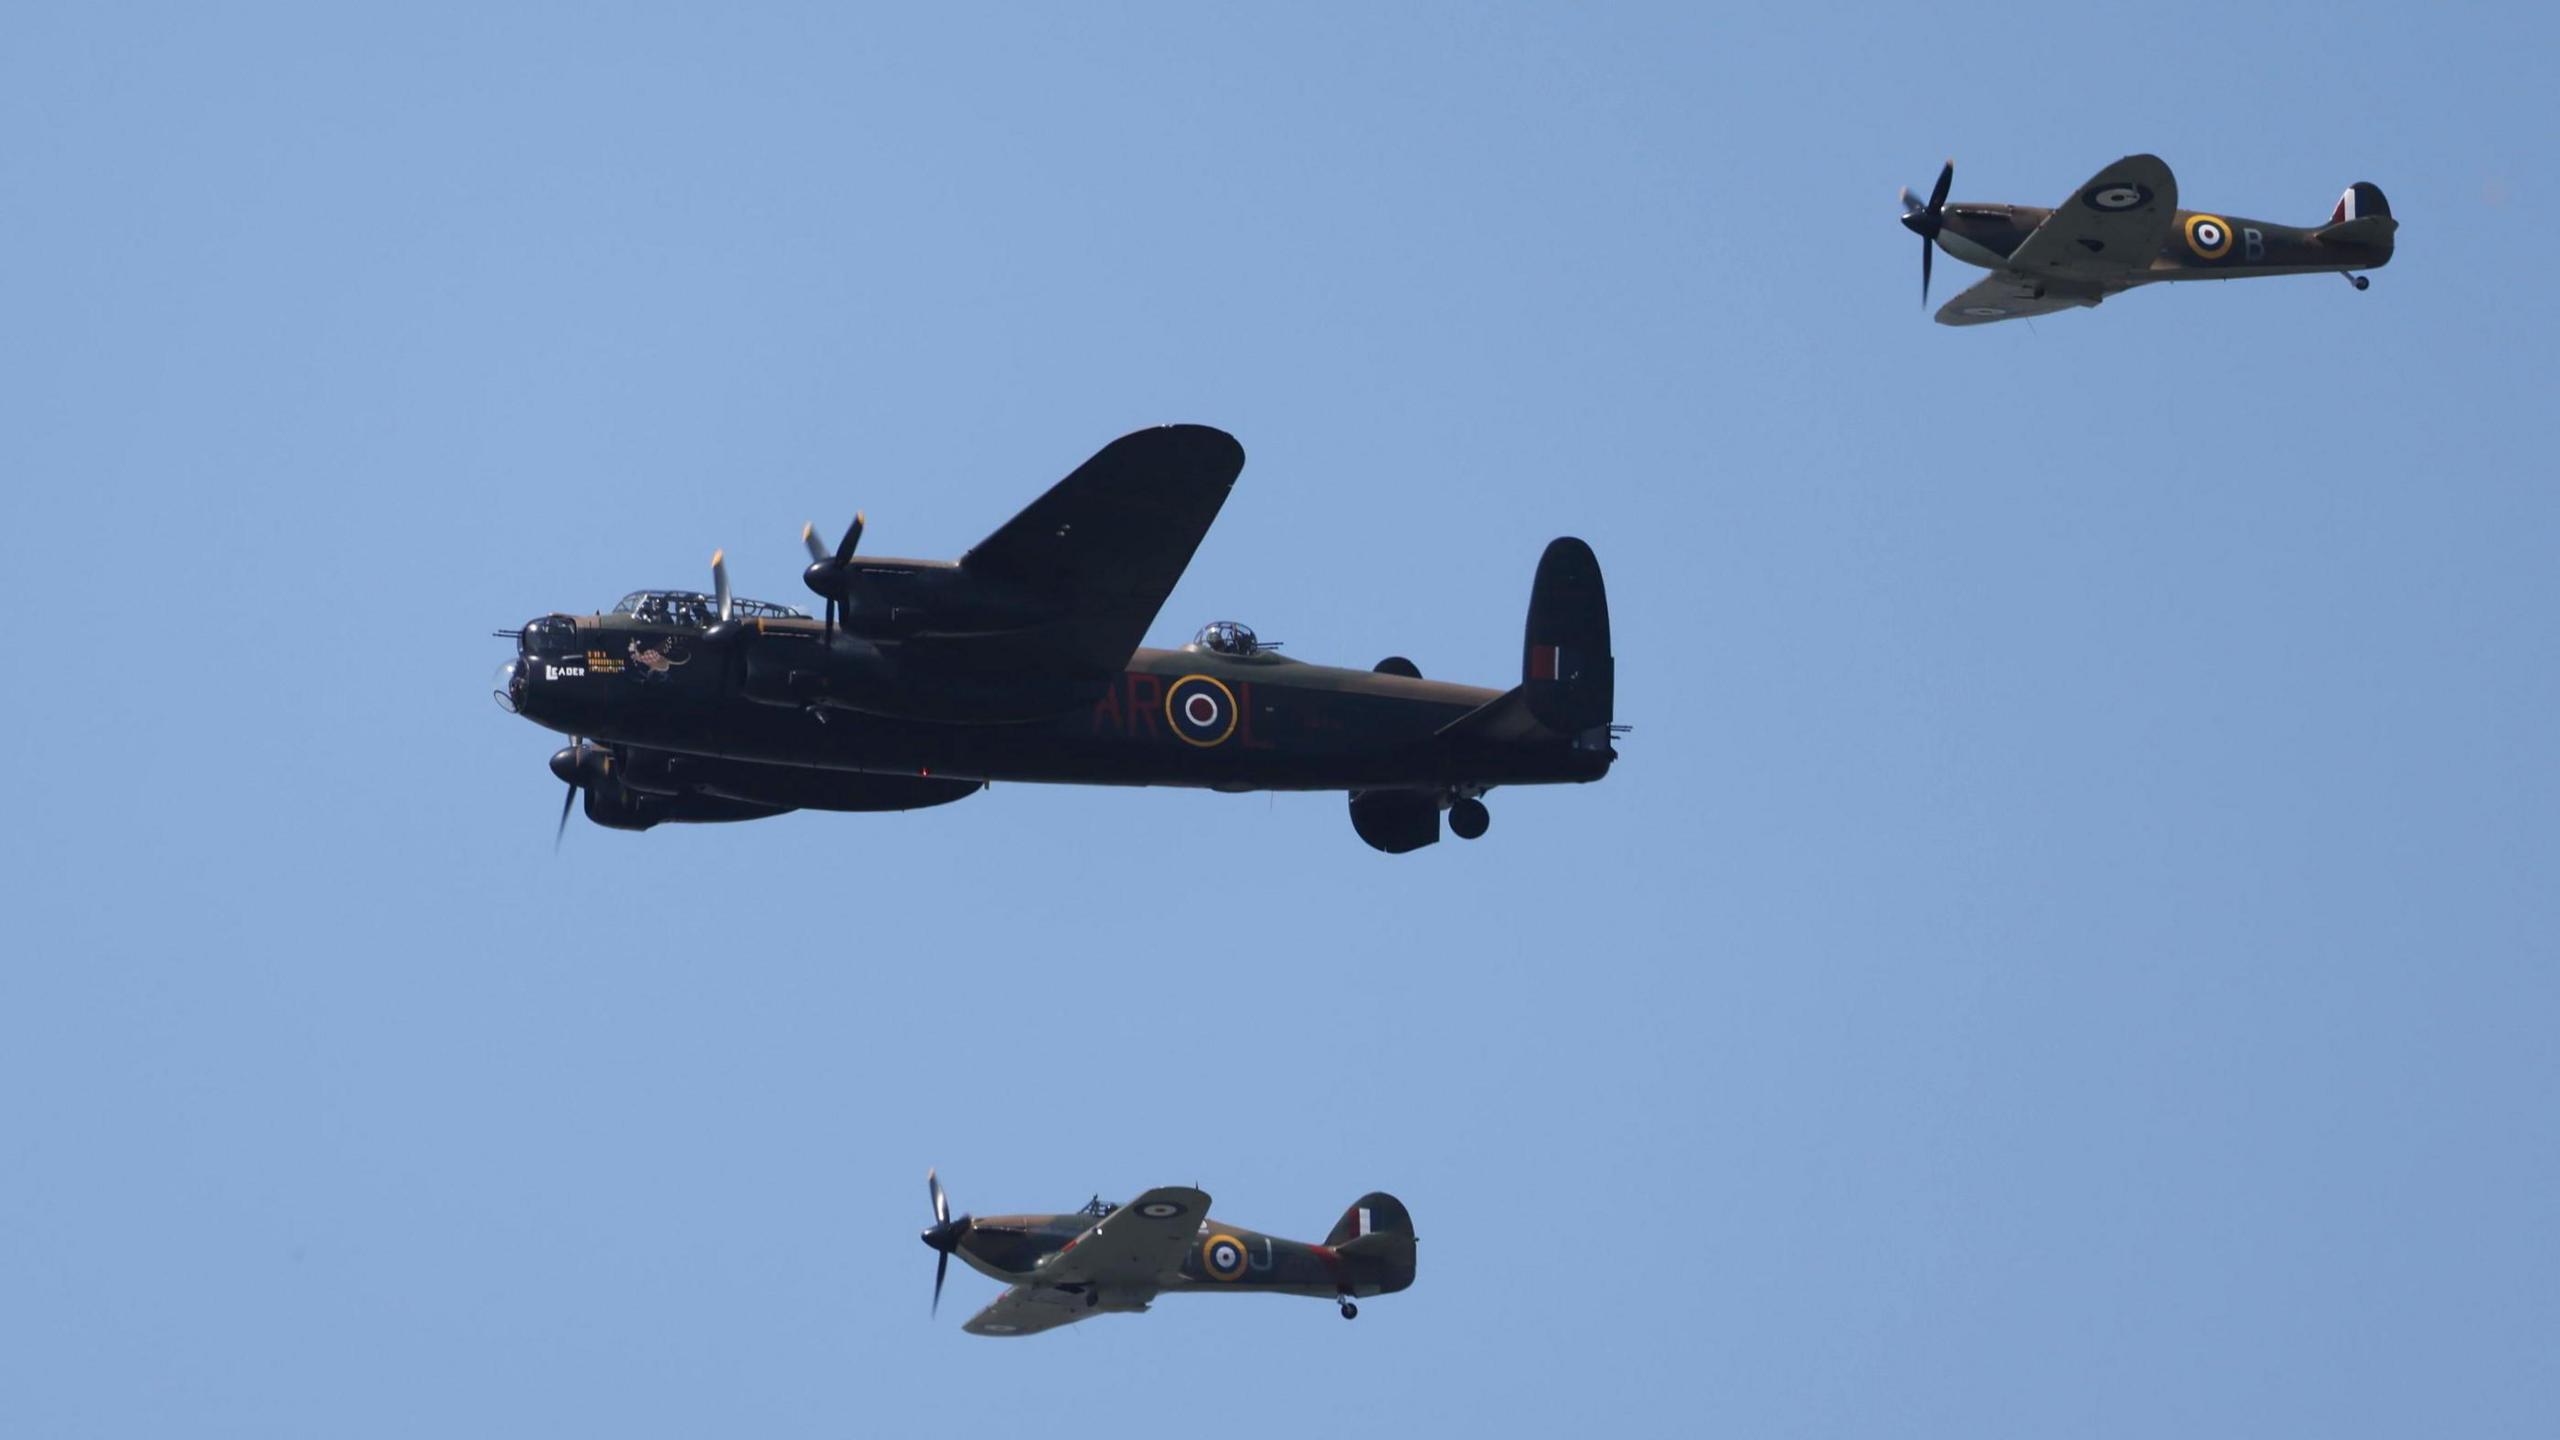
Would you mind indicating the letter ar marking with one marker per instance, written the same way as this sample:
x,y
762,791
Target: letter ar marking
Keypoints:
x,y
1143,711
1107,719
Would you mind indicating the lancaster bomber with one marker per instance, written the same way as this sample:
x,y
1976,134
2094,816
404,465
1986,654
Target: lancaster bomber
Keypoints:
x,y
1106,1259
926,680
2124,229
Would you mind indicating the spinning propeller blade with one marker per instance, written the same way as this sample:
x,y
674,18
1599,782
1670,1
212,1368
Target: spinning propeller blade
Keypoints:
x,y
944,1237
1926,220
564,763
825,574
720,583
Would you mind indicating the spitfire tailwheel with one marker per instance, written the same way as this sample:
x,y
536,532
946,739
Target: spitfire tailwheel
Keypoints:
x,y
1468,819
1350,1311
2361,282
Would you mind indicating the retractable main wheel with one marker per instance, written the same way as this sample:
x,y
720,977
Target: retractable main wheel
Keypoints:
x,y
1468,819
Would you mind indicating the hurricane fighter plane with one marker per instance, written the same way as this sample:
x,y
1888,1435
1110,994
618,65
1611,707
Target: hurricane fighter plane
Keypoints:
x,y
2124,229
1114,1259
925,680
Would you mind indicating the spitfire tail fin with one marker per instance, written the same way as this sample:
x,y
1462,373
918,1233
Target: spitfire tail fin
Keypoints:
x,y
2361,223
2363,201
1566,672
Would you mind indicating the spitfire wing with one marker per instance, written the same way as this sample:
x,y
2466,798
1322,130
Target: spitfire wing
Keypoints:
x,y
1030,1309
2109,227
1997,296
1107,543
1139,1245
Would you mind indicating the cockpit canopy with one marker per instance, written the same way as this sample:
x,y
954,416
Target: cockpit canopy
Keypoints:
x,y
1097,1207
695,610
1227,637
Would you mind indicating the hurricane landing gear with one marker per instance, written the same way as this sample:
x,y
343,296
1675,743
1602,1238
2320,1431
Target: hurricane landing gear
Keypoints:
x,y
1468,819
2361,282
1349,1310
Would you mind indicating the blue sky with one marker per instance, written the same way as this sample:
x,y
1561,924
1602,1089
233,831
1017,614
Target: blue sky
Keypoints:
x,y
2069,949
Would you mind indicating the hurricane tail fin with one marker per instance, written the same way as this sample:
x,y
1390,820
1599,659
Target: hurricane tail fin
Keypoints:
x,y
1376,1213
1375,1237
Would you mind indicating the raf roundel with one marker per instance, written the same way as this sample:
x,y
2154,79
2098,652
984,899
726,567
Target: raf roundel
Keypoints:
x,y
1223,1257
2117,195
1201,710
2209,236
1160,1209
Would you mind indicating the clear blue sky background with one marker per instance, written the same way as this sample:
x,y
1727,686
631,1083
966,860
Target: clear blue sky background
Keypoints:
x,y
2069,949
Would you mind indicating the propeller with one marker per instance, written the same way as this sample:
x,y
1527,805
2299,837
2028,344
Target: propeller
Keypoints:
x,y
565,763
1926,220
720,583
825,574
560,831
945,1235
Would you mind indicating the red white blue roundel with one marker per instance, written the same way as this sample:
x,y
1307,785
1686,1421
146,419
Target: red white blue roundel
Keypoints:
x,y
1201,710
2114,195
1160,1209
1223,1257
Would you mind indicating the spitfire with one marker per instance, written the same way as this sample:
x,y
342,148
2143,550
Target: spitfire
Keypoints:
x,y
2124,229
1116,1259
926,680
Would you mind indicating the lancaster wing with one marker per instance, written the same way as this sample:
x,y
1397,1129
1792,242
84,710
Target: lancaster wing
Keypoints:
x,y
1106,544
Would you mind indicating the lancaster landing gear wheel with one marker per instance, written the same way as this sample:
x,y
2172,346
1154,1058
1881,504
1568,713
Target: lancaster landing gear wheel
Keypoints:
x,y
1350,1311
1468,819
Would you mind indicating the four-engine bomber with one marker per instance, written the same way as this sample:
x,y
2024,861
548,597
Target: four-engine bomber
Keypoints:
x,y
925,680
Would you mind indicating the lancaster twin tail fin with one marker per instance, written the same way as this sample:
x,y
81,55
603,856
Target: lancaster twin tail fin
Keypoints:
x,y
1568,679
1566,671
